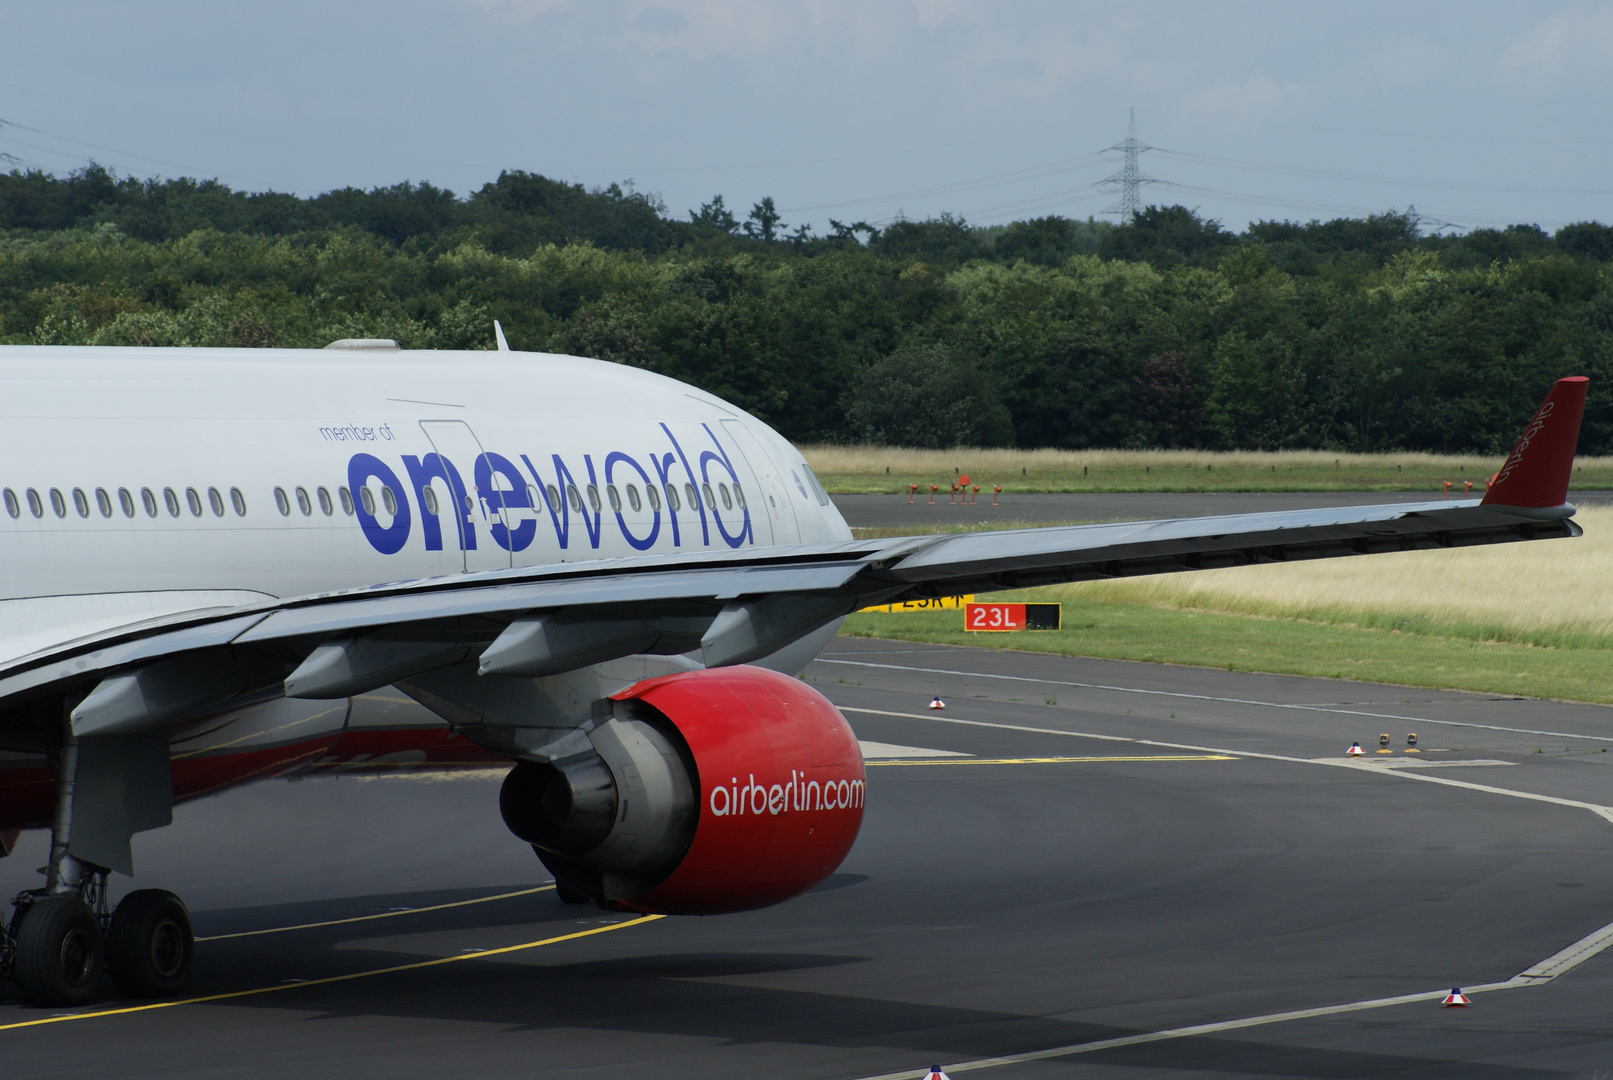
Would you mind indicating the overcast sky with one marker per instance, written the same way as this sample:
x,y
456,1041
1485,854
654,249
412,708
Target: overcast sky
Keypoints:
x,y
1480,114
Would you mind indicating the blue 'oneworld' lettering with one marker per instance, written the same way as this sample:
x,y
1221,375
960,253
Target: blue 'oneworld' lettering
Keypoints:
x,y
504,491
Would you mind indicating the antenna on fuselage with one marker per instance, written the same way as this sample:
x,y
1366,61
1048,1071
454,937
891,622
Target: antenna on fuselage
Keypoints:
x,y
498,332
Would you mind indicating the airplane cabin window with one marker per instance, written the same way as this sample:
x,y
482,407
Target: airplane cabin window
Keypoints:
x,y
593,497
632,497
81,502
238,501
13,507
739,495
389,500
653,493
533,499
103,502
172,500
35,506
367,500
727,502
216,501
57,503
303,504
347,500
195,502
672,498
693,495
149,501
553,495
705,489
126,501
283,503
574,498
428,497
326,507
611,493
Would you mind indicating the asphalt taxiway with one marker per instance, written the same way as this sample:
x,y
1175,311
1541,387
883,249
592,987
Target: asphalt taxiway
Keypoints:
x,y
1078,868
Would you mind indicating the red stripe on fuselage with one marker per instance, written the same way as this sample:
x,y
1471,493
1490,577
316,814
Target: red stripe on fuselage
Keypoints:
x,y
28,793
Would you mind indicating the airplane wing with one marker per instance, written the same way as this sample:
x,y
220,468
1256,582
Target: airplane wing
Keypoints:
x,y
727,607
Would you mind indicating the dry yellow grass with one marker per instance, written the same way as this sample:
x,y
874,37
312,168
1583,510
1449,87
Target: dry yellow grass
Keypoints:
x,y
875,459
891,469
1531,591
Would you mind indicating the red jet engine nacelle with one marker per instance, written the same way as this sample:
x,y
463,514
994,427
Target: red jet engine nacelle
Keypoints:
x,y
748,785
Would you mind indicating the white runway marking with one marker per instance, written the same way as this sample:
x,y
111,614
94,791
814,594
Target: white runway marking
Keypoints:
x,y
1210,697
1555,965
1406,762
884,751
1604,812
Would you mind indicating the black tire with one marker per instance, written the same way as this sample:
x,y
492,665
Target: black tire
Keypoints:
x,y
150,946
567,894
60,952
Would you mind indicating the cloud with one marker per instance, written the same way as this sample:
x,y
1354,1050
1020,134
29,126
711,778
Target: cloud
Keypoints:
x,y
698,29
1252,98
1565,48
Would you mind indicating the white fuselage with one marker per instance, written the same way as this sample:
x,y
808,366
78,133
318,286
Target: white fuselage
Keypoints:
x,y
139,482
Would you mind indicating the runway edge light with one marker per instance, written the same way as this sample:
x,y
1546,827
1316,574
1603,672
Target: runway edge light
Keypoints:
x,y
937,704
1355,750
1456,999
935,1073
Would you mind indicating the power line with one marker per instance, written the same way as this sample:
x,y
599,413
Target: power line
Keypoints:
x,y
1326,174
1035,172
7,124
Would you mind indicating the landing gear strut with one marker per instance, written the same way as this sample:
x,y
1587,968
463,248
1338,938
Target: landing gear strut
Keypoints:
x,y
61,938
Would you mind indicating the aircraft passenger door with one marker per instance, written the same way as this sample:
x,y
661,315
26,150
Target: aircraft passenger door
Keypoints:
x,y
771,514
455,441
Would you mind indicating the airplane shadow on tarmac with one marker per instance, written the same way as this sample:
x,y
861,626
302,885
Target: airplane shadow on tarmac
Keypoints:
x,y
681,994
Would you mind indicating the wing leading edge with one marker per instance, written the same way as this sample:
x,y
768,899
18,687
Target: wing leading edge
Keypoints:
x,y
725,607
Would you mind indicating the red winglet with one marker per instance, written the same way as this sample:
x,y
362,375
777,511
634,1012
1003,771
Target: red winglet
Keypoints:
x,y
1535,475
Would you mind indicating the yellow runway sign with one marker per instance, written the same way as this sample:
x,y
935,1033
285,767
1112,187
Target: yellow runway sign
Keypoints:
x,y
945,603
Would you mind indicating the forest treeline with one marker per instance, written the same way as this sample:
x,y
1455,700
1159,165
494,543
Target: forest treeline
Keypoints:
x,y
1352,334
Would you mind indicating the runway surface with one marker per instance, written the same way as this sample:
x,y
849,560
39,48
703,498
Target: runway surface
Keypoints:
x,y
894,511
1153,848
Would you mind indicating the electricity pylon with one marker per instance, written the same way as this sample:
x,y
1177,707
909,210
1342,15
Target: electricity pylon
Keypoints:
x,y
1129,178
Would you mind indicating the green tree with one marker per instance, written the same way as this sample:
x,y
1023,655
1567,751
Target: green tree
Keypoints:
x,y
924,395
763,223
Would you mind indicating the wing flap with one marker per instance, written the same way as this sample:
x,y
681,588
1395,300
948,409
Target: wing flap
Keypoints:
x,y
1085,552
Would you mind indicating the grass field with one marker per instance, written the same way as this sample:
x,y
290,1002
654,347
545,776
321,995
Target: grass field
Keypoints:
x,y
886,470
1531,619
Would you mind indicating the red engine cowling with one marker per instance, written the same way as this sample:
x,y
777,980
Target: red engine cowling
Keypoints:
x,y
755,787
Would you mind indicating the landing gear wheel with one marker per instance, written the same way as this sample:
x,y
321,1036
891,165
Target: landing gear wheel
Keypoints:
x,y
60,952
149,946
567,894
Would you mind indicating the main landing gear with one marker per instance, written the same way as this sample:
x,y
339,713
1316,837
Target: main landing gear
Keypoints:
x,y
62,938
58,946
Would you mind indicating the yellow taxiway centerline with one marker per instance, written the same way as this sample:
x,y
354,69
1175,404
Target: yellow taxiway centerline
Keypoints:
x,y
381,915
416,966
1047,760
